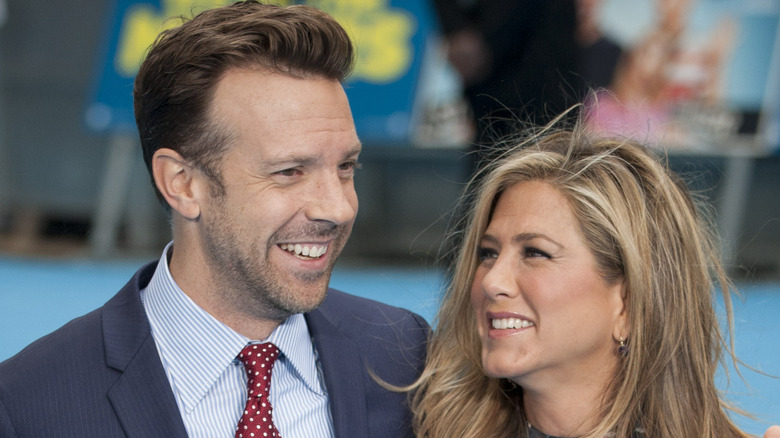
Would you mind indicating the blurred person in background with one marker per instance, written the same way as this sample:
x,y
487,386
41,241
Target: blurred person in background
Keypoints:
x,y
516,59
598,53
250,143
666,77
581,303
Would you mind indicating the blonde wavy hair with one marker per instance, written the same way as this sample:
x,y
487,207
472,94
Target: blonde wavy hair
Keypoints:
x,y
645,229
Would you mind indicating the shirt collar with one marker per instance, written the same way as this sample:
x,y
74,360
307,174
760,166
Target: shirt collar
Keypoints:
x,y
196,348
293,339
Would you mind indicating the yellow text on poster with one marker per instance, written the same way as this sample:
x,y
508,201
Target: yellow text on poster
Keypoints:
x,y
382,35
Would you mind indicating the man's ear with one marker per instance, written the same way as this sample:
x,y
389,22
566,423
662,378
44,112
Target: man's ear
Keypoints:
x,y
179,182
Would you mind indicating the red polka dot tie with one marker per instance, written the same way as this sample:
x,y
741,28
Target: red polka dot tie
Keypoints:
x,y
257,421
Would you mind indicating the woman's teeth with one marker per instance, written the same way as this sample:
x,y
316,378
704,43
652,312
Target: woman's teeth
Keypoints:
x,y
511,323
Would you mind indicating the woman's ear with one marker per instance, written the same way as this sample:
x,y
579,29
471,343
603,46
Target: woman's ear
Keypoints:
x,y
621,330
178,182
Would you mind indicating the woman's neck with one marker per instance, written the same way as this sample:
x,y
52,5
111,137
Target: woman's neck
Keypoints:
x,y
567,410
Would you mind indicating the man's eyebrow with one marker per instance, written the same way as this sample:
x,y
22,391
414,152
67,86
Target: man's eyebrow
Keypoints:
x,y
356,149
304,160
291,159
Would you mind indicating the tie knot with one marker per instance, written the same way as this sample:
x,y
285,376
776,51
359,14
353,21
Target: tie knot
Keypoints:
x,y
259,360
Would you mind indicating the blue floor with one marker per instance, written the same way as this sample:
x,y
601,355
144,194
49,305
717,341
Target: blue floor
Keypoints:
x,y
37,297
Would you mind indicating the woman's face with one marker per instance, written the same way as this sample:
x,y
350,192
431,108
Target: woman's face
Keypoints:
x,y
544,313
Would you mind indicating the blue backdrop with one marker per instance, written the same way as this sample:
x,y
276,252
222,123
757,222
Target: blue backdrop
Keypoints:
x,y
38,296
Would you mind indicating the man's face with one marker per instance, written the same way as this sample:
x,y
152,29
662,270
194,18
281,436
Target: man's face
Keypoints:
x,y
289,198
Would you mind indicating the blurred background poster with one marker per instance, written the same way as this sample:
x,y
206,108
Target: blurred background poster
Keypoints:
x,y
694,75
389,35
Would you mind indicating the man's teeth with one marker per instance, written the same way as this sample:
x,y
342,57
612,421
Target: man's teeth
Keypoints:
x,y
312,251
511,323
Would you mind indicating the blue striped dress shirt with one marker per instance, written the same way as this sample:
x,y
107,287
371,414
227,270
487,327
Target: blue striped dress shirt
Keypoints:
x,y
199,353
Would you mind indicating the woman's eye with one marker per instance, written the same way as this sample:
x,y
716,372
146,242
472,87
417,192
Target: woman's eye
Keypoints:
x,y
486,253
532,252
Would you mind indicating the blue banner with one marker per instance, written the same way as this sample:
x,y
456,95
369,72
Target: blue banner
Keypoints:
x,y
390,37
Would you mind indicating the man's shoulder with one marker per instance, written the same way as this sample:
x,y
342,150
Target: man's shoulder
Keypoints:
x,y
71,352
370,324
78,340
363,346
343,307
64,341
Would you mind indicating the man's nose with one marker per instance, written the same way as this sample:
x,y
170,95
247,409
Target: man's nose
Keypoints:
x,y
333,199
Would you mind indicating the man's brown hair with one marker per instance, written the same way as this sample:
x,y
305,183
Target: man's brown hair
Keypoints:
x,y
175,84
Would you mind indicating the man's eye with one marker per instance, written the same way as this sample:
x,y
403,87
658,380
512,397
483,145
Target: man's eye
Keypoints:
x,y
349,165
288,172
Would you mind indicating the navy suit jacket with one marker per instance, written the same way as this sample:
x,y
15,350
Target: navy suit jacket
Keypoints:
x,y
100,374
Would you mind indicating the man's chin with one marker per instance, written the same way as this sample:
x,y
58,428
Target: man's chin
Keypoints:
x,y
303,300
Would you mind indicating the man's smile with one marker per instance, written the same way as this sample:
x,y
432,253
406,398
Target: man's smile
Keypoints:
x,y
305,251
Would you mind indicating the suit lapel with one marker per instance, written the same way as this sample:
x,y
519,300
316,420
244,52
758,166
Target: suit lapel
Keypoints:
x,y
142,396
343,371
